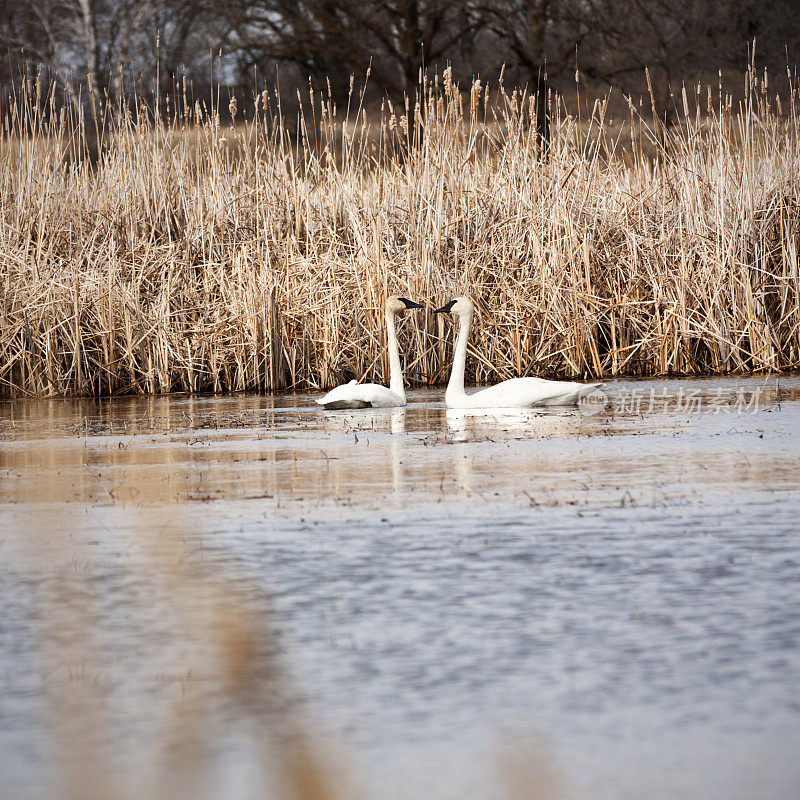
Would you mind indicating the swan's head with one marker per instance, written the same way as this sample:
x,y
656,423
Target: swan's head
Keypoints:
x,y
399,305
461,306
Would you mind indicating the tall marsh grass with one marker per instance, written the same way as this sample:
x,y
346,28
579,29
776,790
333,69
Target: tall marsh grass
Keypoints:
x,y
175,251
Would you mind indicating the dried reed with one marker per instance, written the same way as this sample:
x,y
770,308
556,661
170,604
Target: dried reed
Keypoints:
x,y
189,254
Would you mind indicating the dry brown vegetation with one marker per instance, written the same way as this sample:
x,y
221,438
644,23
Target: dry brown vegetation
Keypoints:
x,y
198,256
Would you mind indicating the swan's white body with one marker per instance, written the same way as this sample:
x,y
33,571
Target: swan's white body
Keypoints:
x,y
373,395
362,395
514,393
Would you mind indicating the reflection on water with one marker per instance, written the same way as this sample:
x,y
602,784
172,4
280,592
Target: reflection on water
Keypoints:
x,y
184,577
470,424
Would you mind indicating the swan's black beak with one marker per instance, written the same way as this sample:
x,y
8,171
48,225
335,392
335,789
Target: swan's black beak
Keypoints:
x,y
409,303
445,309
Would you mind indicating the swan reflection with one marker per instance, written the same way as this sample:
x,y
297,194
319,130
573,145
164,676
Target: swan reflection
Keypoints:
x,y
381,420
378,436
470,423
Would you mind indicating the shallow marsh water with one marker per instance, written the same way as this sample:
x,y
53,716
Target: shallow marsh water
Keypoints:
x,y
592,603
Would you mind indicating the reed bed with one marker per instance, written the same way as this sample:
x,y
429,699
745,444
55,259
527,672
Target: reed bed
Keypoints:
x,y
171,250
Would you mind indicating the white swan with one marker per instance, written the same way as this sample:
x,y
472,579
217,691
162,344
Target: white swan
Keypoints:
x,y
515,393
373,395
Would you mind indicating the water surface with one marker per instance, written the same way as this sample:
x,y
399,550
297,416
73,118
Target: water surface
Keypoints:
x,y
592,603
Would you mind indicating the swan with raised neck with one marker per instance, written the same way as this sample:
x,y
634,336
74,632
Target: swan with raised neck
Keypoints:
x,y
373,395
514,393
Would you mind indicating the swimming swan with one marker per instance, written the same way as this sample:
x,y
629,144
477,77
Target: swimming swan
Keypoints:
x,y
516,393
373,395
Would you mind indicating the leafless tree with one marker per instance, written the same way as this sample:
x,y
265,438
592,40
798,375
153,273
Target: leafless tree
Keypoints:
x,y
536,39
109,44
664,37
395,38
119,45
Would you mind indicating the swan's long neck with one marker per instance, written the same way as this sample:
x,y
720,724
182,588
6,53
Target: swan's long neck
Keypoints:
x,y
455,387
395,369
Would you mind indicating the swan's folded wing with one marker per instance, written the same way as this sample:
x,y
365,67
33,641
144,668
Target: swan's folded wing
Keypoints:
x,y
530,392
569,394
344,396
360,395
